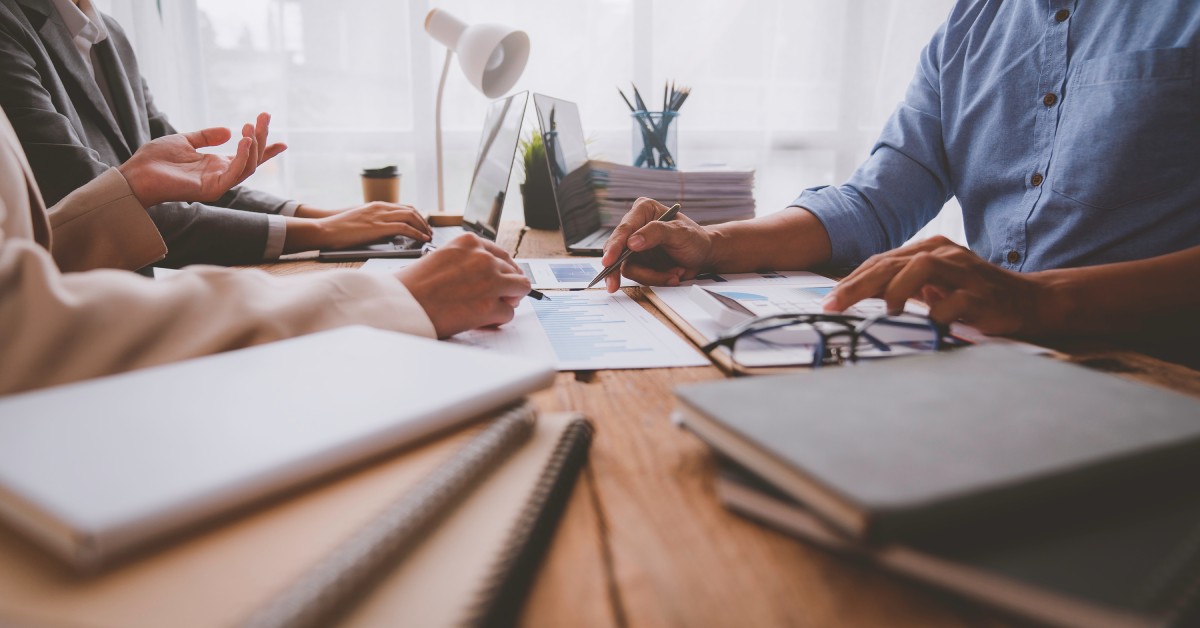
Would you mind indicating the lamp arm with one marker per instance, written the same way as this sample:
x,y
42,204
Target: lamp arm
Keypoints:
x,y
438,126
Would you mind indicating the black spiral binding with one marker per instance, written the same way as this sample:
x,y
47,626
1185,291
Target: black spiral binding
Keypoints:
x,y
503,594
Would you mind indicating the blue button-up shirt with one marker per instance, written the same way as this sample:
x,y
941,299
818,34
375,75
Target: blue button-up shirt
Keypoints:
x,y
1068,130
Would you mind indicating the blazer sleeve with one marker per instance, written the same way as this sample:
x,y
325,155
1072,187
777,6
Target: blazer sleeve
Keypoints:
x,y
57,328
102,225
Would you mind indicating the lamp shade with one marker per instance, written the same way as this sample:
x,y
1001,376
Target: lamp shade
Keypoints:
x,y
492,56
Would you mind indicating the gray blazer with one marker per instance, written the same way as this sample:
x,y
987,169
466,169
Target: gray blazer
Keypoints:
x,y
71,136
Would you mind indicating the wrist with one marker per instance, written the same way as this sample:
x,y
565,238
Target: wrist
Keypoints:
x,y
1054,304
304,234
308,211
717,258
144,196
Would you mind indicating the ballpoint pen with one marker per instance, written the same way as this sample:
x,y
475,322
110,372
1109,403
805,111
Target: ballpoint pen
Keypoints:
x,y
608,270
533,294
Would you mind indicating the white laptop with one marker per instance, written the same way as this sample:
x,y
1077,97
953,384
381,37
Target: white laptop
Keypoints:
x,y
489,187
93,470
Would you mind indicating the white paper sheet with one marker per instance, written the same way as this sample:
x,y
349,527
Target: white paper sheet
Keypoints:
x,y
583,331
763,278
550,273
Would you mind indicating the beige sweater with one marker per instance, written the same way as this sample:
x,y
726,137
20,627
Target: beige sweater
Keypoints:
x,y
57,328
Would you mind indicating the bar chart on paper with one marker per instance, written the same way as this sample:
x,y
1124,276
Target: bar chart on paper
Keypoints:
x,y
581,331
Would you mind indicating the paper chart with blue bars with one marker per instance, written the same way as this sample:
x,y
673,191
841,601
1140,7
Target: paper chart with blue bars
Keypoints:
x,y
582,331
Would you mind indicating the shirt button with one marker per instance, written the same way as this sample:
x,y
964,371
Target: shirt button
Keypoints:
x,y
1037,179
1013,257
1062,15
1049,100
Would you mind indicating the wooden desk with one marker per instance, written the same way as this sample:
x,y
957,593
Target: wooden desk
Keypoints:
x,y
644,542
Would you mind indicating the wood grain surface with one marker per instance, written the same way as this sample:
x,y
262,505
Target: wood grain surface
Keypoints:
x,y
644,542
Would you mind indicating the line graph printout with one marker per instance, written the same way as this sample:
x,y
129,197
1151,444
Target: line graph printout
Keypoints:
x,y
583,331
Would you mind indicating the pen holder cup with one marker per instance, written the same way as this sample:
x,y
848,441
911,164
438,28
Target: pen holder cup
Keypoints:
x,y
655,139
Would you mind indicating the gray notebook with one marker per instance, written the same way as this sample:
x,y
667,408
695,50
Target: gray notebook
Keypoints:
x,y
895,449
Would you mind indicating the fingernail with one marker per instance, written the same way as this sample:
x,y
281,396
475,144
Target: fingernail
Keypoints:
x,y
828,301
636,242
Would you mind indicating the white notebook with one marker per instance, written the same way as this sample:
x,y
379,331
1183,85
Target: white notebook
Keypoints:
x,y
95,469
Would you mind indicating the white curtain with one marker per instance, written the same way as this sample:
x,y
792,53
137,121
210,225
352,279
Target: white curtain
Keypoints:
x,y
795,89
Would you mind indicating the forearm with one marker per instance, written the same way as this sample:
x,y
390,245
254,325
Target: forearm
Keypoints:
x,y
792,239
194,313
1115,298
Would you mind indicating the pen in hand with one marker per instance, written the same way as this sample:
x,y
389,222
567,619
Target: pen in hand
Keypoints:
x,y
608,270
533,294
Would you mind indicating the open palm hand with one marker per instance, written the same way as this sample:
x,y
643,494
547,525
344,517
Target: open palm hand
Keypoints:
x,y
171,168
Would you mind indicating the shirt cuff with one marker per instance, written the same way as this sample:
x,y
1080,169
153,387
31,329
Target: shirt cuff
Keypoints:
x,y
289,208
276,235
854,234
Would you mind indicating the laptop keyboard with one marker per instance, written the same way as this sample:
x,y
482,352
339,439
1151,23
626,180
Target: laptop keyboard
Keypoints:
x,y
595,240
405,243
441,235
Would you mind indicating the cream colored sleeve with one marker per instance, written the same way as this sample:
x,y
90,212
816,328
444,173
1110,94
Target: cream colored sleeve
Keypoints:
x,y
102,225
57,328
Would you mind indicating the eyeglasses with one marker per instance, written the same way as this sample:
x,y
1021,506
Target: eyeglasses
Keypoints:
x,y
831,338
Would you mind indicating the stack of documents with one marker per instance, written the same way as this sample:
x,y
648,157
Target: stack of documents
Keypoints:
x,y
707,196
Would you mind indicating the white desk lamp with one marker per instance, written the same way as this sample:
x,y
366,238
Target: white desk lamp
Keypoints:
x,y
490,55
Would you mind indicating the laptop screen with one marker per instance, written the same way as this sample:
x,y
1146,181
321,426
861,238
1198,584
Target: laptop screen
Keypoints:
x,y
566,153
493,165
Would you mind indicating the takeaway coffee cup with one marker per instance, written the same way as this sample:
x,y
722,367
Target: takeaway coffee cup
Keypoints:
x,y
381,184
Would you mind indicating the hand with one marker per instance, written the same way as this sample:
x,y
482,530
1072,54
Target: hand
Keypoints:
x,y
466,284
170,168
955,283
369,223
665,252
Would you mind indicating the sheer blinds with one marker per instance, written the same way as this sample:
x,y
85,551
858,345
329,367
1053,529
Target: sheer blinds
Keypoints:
x,y
796,89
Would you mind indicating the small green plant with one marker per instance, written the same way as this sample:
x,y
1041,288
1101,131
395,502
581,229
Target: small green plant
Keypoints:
x,y
533,153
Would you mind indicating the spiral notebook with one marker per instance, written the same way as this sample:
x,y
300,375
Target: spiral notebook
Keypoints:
x,y
471,567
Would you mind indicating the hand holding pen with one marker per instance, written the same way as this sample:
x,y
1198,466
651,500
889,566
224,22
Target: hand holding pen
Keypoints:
x,y
656,246
533,294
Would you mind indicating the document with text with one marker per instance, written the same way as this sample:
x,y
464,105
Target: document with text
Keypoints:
x,y
583,331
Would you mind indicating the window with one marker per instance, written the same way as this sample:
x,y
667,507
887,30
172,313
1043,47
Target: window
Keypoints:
x,y
795,89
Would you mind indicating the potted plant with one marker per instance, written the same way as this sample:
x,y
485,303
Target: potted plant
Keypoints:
x,y
537,191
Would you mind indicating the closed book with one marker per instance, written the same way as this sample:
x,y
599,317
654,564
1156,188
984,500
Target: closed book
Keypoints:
x,y
1132,561
900,448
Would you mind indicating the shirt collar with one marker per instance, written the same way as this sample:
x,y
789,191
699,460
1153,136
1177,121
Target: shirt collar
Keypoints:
x,y
82,21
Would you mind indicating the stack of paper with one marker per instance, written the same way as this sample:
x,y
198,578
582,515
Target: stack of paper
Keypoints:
x,y
707,196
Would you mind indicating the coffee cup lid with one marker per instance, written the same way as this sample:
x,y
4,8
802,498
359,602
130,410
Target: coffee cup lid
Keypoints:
x,y
386,172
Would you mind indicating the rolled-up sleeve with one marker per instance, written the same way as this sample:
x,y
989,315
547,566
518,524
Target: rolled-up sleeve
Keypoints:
x,y
903,183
